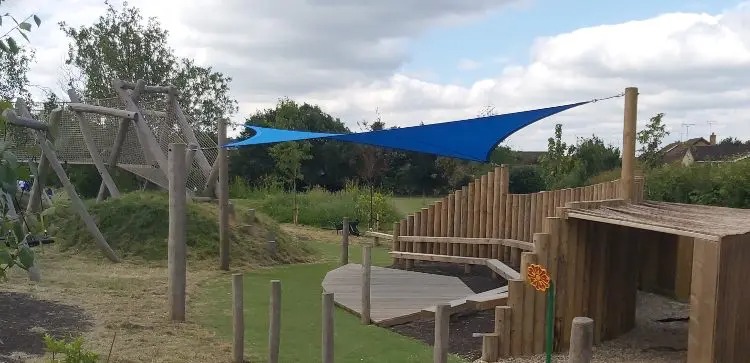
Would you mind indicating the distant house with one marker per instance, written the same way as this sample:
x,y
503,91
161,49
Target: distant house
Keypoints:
x,y
716,154
675,152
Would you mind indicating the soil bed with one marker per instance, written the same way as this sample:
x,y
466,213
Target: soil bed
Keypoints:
x,y
25,320
462,327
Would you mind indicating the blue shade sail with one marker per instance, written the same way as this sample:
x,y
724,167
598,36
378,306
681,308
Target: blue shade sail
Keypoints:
x,y
470,139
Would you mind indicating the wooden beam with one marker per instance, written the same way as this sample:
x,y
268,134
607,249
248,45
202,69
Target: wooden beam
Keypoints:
x,y
77,106
379,235
114,155
640,225
88,139
30,123
35,196
439,258
503,270
147,136
526,246
187,130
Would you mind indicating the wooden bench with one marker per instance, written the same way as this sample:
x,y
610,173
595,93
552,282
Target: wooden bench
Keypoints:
x,y
439,258
503,270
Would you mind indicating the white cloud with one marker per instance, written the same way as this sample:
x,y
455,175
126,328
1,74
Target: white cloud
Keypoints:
x,y
347,57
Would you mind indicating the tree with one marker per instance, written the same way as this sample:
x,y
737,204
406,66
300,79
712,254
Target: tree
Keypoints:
x,y
121,46
732,141
289,157
557,162
591,157
650,139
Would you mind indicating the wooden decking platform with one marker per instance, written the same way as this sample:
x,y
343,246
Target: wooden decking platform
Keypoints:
x,y
396,296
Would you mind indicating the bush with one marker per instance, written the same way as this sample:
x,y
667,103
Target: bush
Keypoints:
x,y
721,184
525,179
321,208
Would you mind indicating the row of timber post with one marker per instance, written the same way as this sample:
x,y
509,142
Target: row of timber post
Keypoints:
x,y
485,209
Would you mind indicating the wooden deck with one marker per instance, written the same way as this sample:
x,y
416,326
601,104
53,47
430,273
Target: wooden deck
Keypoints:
x,y
396,296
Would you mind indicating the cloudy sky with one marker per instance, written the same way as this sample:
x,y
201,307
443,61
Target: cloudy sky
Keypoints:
x,y
441,60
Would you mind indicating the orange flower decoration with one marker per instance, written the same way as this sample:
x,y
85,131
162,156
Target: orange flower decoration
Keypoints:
x,y
538,277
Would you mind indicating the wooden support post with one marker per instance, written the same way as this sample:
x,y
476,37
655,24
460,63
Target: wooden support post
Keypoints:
x,y
442,333
187,131
395,244
490,344
529,302
344,242
238,320
75,199
515,301
146,135
88,139
37,189
327,327
114,155
177,244
274,329
366,273
209,189
503,329
411,225
628,143
223,160
581,340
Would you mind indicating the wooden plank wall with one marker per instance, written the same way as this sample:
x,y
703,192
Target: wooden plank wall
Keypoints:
x,y
485,209
592,265
732,325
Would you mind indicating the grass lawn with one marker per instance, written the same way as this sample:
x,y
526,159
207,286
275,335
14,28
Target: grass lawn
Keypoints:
x,y
301,315
407,205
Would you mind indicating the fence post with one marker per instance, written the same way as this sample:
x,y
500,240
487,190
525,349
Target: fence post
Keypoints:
x,y
366,274
238,321
345,242
223,160
581,340
274,329
442,329
327,341
176,254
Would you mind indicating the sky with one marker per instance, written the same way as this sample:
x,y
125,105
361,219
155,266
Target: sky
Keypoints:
x,y
410,62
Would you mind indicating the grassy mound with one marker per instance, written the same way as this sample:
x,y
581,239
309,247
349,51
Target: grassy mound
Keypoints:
x,y
137,225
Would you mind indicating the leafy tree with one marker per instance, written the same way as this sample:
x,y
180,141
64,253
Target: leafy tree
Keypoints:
x,y
557,163
591,157
650,139
289,157
120,45
525,179
733,141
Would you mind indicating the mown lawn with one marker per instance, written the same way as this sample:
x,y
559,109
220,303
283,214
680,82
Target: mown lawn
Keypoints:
x,y
301,315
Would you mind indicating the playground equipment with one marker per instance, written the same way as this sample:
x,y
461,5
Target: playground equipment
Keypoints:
x,y
84,133
600,244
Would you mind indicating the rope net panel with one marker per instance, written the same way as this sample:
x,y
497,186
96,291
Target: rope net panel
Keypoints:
x,y
71,148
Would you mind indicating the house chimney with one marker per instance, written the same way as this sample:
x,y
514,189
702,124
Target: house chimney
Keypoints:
x,y
712,139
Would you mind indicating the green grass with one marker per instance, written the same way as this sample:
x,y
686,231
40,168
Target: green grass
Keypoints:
x,y
137,225
301,315
408,205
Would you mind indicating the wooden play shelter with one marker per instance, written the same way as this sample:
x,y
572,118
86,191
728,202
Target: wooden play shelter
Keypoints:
x,y
600,243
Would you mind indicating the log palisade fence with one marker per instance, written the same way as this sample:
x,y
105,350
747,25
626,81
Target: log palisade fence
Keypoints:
x,y
483,221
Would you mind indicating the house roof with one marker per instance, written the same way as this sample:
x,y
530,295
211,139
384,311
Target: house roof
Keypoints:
x,y
676,151
718,152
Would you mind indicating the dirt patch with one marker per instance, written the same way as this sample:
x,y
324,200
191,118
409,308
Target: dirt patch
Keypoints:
x,y
462,326
25,320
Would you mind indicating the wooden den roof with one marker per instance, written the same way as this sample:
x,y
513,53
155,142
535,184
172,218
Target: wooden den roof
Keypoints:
x,y
700,221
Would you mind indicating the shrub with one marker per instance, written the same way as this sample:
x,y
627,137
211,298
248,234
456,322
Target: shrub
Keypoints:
x,y
721,184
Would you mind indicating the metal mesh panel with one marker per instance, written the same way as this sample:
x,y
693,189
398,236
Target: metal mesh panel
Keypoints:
x,y
71,148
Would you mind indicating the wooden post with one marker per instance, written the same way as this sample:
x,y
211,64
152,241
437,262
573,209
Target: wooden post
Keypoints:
x,y
530,297
503,329
37,188
238,320
76,202
628,143
327,339
442,334
366,273
177,244
395,244
344,242
411,225
223,160
581,340
274,329
187,130
490,347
